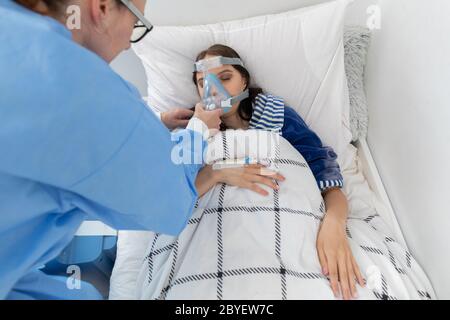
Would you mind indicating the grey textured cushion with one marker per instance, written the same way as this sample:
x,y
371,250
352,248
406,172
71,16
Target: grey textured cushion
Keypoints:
x,y
356,43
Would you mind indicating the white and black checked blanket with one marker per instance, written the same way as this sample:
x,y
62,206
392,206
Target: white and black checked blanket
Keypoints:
x,y
240,245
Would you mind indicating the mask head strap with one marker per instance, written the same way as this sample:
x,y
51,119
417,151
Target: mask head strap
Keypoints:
x,y
215,62
227,104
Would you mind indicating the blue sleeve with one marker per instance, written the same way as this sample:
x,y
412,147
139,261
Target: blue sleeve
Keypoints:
x,y
81,129
321,159
140,187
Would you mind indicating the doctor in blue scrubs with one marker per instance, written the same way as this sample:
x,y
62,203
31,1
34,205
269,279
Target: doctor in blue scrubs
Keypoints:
x,y
77,142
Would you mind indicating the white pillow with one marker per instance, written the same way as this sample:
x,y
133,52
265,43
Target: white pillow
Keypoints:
x,y
297,55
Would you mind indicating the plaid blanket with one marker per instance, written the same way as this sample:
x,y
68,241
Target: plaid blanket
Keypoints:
x,y
241,245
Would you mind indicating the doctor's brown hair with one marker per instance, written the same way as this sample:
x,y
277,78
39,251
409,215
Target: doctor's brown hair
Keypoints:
x,y
53,5
245,109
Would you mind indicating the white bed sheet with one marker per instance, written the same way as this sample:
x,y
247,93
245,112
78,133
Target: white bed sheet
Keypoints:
x,y
363,203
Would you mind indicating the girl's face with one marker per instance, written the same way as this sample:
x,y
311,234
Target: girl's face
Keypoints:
x,y
231,80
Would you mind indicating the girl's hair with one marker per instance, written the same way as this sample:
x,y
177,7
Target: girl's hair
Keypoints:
x,y
245,109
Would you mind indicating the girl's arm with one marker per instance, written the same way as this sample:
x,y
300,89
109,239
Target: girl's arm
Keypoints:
x,y
334,252
320,158
336,204
206,180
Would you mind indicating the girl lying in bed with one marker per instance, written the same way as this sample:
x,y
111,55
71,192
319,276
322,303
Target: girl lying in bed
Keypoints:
x,y
264,111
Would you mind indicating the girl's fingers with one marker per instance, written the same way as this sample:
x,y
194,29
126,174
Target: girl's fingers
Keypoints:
x,y
254,170
263,171
259,190
254,187
343,277
323,261
359,277
278,177
351,277
333,275
272,175
267,181
263,180
258,172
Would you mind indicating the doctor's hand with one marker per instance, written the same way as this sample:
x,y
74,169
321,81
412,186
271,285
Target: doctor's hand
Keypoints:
x,y
178,118
210,118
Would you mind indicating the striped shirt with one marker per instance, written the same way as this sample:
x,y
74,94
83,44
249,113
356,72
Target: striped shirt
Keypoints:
x,y
270,113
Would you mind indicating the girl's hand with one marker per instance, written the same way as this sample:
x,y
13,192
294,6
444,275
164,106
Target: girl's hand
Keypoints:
x,y
336,258
249,177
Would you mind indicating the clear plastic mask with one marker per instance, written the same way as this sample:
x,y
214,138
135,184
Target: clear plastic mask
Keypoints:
x,y
215,95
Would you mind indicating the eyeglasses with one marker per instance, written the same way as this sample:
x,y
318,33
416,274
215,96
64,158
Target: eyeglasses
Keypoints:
x,y
142,27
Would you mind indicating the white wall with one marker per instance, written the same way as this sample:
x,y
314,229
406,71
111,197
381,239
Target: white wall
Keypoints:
x,y
408,79
130,68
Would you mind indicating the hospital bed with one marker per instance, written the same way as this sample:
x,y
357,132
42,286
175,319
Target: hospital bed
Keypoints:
x,y
96,241
94,245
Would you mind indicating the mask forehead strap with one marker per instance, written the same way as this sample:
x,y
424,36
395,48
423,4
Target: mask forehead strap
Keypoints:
x,y
215,62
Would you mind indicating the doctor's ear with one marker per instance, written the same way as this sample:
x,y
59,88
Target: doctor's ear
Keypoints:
x,y
99,11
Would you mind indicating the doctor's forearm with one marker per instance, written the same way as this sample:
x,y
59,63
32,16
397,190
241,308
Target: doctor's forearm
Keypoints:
x,y
336,205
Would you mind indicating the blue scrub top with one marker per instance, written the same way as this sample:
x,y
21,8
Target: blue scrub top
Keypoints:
x,y
76,142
